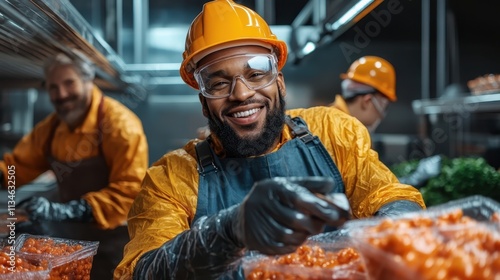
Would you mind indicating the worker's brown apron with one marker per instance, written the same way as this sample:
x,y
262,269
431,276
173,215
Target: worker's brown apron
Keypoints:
x,y
77,178
74,180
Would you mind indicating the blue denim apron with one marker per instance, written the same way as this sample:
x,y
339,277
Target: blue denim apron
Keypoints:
x,y
224,182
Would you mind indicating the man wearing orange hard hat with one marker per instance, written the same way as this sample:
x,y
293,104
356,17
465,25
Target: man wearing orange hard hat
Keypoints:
x,y
258,181
368,87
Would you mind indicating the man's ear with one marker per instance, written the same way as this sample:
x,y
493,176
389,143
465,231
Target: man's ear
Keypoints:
x,y
89,86
204,106
281,84
365,101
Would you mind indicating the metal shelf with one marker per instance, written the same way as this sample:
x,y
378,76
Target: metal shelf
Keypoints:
x,y
31,30
458,105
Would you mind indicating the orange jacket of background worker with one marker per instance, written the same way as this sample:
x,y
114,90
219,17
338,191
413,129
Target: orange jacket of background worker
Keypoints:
x,y
367,88
95,146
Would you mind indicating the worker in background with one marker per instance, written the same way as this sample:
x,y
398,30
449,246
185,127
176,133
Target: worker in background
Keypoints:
x,y
368,87
253,183
95,146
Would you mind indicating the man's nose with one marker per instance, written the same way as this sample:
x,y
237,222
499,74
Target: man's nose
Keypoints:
x,y
60,92
240,90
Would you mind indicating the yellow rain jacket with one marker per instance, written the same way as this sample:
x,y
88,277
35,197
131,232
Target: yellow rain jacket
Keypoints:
x,y
125,151
167,202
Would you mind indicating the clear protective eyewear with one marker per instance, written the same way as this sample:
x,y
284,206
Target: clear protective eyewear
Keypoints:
x,y
378,106
256,71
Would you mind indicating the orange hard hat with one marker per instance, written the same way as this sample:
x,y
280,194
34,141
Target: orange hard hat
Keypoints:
x,y
375,72
224,24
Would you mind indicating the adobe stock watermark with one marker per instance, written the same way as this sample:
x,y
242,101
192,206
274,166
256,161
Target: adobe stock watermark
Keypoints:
x,y
11,216
373,28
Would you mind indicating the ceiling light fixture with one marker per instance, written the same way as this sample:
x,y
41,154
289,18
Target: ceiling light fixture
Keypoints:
x,y
351,13
308,48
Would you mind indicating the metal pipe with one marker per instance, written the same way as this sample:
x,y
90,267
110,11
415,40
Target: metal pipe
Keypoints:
x,y
425,46
266,8
319,13
119,27
453,48
303,15
141,22
96,16
441,59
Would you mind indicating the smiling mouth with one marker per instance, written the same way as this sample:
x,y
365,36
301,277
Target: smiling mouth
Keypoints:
x,y
246,113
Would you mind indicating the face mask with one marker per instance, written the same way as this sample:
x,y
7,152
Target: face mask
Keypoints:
x,y
374,125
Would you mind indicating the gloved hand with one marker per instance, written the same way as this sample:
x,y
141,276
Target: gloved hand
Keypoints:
x,y
275,218
39,208
427,168
398,207
279,214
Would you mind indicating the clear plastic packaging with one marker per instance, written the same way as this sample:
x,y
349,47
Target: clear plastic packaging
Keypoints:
x,y
478,207
333,258
456,240
69,259
21,266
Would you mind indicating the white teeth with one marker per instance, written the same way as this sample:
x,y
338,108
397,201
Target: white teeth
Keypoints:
x,y
246,113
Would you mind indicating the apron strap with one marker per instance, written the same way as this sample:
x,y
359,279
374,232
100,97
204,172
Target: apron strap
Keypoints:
x,y
299,129
205,157
100,117
48,145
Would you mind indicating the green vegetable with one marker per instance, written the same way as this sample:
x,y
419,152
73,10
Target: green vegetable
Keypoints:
x,y
459,178
405,168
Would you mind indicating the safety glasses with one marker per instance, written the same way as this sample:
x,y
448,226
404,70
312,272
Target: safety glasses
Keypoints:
x,y
218,78
380,106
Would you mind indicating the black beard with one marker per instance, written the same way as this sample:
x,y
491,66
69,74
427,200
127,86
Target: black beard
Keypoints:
x,y
235,146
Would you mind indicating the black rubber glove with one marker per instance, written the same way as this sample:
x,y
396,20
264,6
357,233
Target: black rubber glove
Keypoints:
x,y
41,209
279,214
397,207
275,218
427,168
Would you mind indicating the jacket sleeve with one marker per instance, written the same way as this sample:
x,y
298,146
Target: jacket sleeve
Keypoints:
x,y
163,209
206,250
126,151
28,156
368,183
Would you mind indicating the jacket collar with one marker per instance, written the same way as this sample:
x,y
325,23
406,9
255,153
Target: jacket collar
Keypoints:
x,y
340,104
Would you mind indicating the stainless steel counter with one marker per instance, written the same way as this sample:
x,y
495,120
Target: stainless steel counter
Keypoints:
x,y
458,105
48,190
